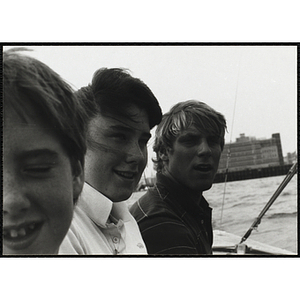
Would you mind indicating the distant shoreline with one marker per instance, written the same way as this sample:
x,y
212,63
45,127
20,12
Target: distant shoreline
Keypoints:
x,y
253,173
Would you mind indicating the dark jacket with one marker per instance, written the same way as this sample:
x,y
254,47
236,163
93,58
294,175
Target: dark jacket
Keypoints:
x,y
171,221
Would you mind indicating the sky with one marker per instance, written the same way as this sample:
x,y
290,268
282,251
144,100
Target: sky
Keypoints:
x,y
254,87
267,78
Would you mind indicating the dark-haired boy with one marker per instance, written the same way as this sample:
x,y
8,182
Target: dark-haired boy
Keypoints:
x,y
122,110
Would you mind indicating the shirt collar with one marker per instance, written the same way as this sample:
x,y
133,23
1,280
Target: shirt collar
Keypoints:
x,y
95,205
176,188
98,207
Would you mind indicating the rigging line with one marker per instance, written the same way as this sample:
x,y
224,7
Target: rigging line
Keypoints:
x,y
293,170
230,141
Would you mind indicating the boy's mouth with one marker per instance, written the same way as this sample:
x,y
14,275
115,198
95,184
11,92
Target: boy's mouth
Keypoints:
x,y
126,174
20,237
21,231
203,167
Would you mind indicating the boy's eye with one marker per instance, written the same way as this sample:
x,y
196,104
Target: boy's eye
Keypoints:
x,y
38,170
119,136
189,140
214,140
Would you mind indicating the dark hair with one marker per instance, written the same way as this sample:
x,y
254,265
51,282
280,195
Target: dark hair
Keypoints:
x,y
180,117
113,90
27,82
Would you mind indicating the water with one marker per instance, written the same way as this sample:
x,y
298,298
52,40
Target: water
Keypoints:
x,y
244,201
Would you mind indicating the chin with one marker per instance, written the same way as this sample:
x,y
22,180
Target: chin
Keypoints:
x,y
206,188
121,197
201,187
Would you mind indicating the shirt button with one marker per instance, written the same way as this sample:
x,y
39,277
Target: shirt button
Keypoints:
x,y
115,240
140,245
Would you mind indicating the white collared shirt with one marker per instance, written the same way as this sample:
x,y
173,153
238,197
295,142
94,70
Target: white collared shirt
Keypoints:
x,y
100,226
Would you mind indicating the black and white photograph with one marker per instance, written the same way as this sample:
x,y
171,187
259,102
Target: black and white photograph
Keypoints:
x,y
150,151
182,149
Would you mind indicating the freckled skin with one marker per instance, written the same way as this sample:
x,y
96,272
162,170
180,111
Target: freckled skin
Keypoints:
x,y
119,144
38,188
190,149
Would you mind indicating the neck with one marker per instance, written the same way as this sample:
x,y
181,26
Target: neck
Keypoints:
x,y
196,194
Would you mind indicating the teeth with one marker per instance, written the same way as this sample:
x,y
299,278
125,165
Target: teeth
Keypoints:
x,y
14,233
203,168
125,174
22,232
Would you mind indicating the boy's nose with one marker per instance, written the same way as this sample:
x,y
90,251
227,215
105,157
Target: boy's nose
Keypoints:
x,y
14,198
135,153
204,148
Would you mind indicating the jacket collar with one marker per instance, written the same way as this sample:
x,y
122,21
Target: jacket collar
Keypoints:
x,y
183,196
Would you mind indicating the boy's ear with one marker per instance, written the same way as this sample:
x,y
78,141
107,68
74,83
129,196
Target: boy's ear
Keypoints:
x,y
164,154
78,179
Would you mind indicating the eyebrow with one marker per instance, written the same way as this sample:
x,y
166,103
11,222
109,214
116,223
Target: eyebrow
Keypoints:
x,y
127,128
36,153
190,134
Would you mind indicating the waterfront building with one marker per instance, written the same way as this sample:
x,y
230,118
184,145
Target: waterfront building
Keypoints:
x,y
290,158
251,153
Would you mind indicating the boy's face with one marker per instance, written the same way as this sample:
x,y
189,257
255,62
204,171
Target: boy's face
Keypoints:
x,y
194,159
39,187
117,153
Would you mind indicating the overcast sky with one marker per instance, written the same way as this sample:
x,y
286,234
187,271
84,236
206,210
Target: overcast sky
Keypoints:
x,y
259,81
266,103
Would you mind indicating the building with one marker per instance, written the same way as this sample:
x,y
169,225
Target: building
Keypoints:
x,y
251,153
290,158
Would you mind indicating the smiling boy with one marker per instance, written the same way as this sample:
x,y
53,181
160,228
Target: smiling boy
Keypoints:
x,y
43,155
174,217
122,110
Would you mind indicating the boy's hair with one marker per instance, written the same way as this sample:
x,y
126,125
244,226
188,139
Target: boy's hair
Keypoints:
x,y
113,90
181,117
27,82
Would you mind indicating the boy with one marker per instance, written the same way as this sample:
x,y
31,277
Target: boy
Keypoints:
x,y
121,112
43,156
174,217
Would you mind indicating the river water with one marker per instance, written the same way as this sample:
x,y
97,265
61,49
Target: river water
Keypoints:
x,y
244,201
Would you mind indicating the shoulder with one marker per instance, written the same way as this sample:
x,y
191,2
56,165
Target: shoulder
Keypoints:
x,y
81,230
157,220
162,227
149,205
167,234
